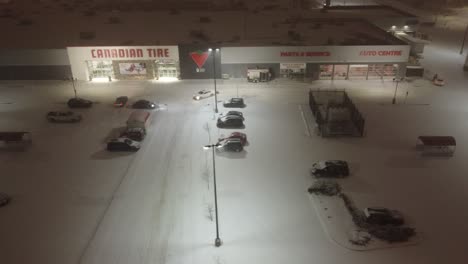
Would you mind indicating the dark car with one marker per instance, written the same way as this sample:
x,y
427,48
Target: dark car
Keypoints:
x,y
239,135
234,102
231,144
79,103
234,113
230,121
123,144
121,101
383,216
330,168
4,199
63,116
144,104
134,133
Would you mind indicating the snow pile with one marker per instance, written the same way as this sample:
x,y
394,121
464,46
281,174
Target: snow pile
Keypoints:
x,y
324,187
388,233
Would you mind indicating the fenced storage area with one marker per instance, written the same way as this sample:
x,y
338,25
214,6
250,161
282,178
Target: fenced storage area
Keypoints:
x,y
335,114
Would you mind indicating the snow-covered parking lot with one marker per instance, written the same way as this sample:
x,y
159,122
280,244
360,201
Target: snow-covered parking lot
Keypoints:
x,y
73,202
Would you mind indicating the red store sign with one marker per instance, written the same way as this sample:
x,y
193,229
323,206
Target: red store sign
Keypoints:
x,y
305,54
381,53
129,53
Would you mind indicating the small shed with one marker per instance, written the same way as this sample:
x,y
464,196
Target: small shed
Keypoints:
x,y
437,145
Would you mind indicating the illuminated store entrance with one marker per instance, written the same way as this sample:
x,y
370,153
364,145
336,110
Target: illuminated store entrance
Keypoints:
x,y
166,69
100,69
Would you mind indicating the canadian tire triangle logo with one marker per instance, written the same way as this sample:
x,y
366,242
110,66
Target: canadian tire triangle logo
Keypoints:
x,y
199,57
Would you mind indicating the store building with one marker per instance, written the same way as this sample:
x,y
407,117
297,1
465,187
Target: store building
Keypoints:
x,y
311,62
124,62
319,62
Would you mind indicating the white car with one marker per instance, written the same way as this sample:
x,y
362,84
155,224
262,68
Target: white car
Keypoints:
x,y
203,94
63,116
438,82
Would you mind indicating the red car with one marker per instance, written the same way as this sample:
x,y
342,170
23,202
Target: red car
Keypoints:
x,y
121,101
239,135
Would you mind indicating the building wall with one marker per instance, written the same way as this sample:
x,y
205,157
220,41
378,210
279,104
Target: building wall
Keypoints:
x,y
312,71
196,62
80,55
240,70
316,54
34,64
42,72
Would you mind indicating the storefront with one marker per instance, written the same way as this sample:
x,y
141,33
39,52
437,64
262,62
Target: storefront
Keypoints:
x,y
124,63
320,62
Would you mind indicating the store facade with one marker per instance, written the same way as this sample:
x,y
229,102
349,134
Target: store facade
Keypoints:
x,y
319,62
124,62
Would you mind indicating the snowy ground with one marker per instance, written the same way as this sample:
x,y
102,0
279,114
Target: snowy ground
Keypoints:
x,y
76,203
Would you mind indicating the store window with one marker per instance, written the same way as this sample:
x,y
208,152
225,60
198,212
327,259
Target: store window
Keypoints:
x,y
380,71
358,71
340,72
100,69
292,70
326,72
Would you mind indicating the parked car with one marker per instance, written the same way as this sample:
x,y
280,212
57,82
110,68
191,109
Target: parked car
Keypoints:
x,y
438,81
383,216
203,94
330,168
4,199
15,140
63,116
234,113
134,133
123,144
79,103
231,144
144,104
230,121
239,135
121,101
234,102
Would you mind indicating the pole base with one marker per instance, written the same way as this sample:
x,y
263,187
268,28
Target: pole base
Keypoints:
x,y
218,242
393,101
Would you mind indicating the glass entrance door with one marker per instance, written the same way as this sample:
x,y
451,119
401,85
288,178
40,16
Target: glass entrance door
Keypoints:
x,y
166,69
100,69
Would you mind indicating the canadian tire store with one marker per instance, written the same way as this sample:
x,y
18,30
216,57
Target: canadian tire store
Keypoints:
x,y
319,62
124,62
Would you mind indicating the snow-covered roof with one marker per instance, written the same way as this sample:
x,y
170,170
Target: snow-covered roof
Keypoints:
x,y
59,26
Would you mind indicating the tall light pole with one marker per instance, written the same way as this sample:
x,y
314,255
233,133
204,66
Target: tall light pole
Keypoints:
x,y
463,42
73,83
397,79
217,239
214,77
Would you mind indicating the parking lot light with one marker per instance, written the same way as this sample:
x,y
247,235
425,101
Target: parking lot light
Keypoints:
x,y
213,146
214,77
